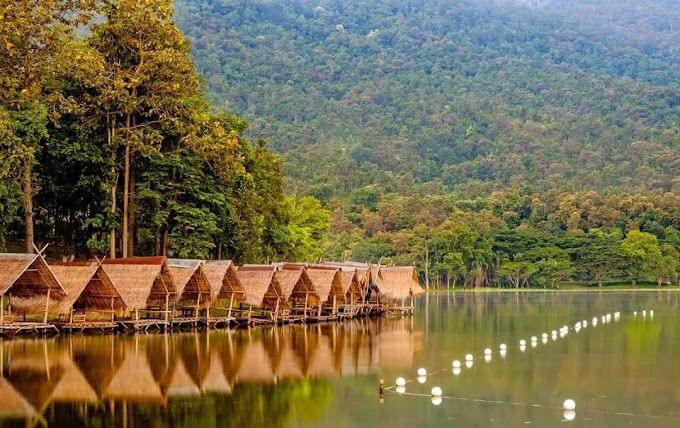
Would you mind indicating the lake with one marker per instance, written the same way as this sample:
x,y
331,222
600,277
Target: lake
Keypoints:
x,y
622,372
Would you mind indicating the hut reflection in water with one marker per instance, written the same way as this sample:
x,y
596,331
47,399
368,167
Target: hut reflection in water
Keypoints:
x,y
114,378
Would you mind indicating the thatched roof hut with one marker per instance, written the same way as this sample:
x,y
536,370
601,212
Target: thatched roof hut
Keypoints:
x,y
297,286
398,282
13,405
28,280
261,286
190,280
224,282
88,287
350,286
134,381
73,387
141,281
327,283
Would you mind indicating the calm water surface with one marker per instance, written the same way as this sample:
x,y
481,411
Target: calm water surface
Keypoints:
x,y
620,373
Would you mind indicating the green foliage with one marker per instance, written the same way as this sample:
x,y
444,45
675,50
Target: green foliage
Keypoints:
x,y
641,250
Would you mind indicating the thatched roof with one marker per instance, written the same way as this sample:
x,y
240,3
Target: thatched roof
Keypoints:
x,y
141,281
27,278
13,405
190,280
223,280
350,284
73,386
87,287
259,284
327,283
134,381
294,282
256,365
215,379
398,282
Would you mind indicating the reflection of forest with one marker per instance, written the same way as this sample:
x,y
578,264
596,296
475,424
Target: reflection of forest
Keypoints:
x,y
105,375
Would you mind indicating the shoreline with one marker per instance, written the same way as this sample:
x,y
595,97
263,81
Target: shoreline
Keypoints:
x,y
550,290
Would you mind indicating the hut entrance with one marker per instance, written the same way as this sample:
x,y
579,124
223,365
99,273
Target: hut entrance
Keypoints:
x,y
227,293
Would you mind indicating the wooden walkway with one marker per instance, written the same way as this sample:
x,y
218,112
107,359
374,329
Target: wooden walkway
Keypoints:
x,y
88,327
22,328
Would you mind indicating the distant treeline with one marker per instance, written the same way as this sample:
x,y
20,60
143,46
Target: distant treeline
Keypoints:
x,y
108,146
514,238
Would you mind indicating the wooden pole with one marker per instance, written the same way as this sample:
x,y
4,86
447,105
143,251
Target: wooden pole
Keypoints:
x,y
167,305
47,305
231,305
306,299
113,311
198,303
2,309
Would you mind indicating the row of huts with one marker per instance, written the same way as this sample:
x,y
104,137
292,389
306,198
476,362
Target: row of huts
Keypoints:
x,y
144,293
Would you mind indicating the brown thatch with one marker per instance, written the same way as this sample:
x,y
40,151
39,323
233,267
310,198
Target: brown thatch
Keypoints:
x,y
256,365
327,284
134,381
223,280
179,382
398,282
363,271
98,358
88,287
35,371
141,281
296,287
27,279
12,404
350,286
261,286
215,379
190,280
73,387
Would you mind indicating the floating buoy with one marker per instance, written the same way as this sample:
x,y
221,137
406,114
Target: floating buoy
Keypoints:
x,y
455,363
644,313
421,379
534,339
436,400
522,348
569,404
577,325
400,389
569,415
422,372
469,357
487,357
522,342
502,353
651,313
468,364
544,335
634,313
487,351
544,340
594,322
456,371
436,391
400,381
503,347
585,323
534,344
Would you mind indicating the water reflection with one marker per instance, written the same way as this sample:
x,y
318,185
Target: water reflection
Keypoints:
x,y
103,376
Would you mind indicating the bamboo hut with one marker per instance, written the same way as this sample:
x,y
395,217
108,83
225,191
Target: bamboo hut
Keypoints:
x,y
227,292
134,381
92,301
264,296
352,292
370,292
32,288
398,285
298,293
193,290
73,387
328,286
147,289
13,405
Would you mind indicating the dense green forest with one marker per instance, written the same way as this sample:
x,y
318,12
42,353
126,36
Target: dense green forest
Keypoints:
x,y
109,146
492,143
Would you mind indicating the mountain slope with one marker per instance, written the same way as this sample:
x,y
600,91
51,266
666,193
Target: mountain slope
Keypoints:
x,y
561,95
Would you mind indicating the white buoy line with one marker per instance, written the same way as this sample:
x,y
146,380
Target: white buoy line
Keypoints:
x,y
456,365
568,406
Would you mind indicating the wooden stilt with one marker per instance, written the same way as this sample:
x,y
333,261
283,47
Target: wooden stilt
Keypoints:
x,y
47,305
167,306
2,309
231,305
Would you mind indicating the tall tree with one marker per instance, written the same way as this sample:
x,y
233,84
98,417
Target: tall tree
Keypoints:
x,y
32,37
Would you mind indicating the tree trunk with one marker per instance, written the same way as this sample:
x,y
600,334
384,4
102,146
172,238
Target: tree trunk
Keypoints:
x,y
132,211
28,204
634,282
427,268
166,241
110,134
126,194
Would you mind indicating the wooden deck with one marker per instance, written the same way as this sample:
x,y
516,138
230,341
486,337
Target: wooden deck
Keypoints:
x,y
19,328
187,322
144,325
88,327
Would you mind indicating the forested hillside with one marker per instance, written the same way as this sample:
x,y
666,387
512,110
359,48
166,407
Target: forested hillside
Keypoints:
x,y
360,91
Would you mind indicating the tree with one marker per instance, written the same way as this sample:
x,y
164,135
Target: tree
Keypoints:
x,y
32,38
552,271
666,266
517,273
641,249
151,79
